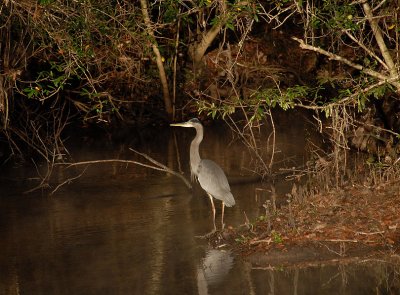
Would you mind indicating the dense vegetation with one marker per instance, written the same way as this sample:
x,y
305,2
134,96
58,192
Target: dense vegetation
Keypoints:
x,y
125,62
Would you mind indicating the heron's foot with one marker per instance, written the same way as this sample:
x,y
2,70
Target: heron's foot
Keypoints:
x,y
207,235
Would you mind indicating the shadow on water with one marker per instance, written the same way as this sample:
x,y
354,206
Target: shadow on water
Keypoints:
x,y
122,229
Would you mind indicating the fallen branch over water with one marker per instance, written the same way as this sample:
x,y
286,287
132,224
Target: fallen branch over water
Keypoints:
x,y
157,166
68,181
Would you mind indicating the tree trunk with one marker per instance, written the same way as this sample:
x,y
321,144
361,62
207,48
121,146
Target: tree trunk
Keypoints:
x,y
381,43
209,36
160,65
205,42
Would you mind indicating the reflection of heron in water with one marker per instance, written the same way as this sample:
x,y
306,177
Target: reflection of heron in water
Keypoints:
x,y
214,269
211,177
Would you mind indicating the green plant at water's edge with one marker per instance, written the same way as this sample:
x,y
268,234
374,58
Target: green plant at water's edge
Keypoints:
x,y
276,237
242,239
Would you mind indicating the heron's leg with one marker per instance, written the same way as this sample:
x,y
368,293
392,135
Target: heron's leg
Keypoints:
x,y
222,218
213,210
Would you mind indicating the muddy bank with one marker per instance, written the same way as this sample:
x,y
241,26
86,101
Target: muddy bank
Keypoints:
x,y
349,224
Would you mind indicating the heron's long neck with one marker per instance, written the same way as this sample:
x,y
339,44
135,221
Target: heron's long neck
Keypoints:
x,y
194,151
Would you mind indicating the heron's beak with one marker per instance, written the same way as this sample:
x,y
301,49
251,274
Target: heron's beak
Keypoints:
x,y
183,124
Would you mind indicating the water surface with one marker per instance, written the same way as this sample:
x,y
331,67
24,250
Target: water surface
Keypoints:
x,y
124,229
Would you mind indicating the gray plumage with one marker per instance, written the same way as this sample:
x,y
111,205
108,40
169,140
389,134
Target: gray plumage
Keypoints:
x,y
213,180
210,176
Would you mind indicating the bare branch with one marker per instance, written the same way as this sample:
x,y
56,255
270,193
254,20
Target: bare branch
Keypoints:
x,y
159,167
372,73
163,167
68,181
379,39
370,52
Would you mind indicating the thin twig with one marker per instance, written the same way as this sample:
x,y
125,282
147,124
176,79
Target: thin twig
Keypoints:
x,y
68,181
256,242
271,162
340,241
368,234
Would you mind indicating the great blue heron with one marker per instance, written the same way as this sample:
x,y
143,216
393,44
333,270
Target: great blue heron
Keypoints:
x,y
210,176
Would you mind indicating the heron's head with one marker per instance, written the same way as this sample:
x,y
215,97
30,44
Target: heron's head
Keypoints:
x,y
191,123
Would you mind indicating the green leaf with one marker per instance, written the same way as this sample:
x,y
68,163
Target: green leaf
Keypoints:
x,y
230,26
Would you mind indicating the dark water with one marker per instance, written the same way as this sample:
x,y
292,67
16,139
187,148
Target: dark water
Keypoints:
x,y
122,229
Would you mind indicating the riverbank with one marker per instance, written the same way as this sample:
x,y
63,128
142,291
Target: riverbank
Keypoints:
x,y
356,222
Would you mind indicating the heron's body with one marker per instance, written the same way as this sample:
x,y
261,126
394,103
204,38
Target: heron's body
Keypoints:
x,y
210,176
213,180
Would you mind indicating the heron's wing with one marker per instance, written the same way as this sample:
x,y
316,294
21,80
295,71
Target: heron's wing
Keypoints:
x,y
213,180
